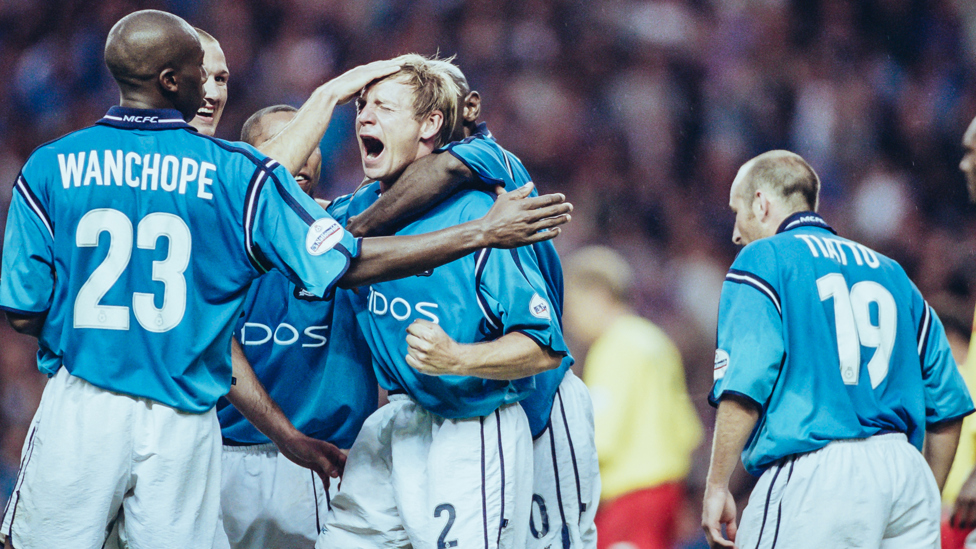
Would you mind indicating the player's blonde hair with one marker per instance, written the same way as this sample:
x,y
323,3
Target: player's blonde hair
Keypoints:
x,y
434,90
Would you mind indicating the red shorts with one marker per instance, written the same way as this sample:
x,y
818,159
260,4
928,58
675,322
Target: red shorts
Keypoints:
x,y
647,518
953,538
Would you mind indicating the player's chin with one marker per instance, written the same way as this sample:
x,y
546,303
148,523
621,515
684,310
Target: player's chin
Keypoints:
x,y
374,172
204,125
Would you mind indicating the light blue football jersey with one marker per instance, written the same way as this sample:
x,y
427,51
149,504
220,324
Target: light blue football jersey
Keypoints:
x,y
311,358
494,166
832,341
479,297
139,237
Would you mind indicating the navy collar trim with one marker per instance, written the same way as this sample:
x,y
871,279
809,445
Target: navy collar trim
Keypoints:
x,y
144,119
804,219
483,130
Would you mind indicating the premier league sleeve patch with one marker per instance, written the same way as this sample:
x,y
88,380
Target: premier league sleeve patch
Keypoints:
x,y
721,364
539,308
323,235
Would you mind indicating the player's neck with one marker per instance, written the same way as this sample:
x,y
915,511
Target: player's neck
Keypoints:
x,y
138,100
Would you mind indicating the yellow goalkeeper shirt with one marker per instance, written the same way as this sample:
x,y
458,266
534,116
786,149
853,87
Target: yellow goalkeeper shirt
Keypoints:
x,y
646,426
965,459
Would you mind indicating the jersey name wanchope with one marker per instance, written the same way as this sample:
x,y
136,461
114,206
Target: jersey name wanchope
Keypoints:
x,y
145,172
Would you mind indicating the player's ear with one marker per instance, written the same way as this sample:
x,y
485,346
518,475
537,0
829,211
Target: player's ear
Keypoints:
x,y
168,80
760,205
472,107
432,125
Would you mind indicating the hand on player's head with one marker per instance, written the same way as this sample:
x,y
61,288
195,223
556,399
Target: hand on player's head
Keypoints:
x,y
350,83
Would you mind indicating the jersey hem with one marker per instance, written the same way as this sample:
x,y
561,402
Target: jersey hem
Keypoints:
x,y
23,312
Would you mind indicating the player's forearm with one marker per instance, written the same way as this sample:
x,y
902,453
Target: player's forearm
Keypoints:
x,y
26,324
940,449
734,422
512,356
391,257
293,145
254,403
422,185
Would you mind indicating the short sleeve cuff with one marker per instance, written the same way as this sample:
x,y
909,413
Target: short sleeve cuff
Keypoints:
x,y
544,339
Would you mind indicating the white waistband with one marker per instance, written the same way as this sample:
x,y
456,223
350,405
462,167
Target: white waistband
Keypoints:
x,y
268,448
879,438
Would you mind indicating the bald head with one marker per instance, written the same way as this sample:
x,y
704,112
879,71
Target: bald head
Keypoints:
x,y
156,58
785,174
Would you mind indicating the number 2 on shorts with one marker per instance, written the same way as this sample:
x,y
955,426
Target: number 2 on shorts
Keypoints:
x,y
451,515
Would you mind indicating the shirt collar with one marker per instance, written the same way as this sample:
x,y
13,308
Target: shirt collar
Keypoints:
x,y
483,130
804,219
144,119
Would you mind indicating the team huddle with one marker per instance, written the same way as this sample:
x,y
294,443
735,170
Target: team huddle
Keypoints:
x,y
215,337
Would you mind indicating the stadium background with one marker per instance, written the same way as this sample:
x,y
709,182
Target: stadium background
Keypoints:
x,y
640,112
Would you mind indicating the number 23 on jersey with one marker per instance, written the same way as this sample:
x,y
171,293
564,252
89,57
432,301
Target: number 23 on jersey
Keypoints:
x,y
90,313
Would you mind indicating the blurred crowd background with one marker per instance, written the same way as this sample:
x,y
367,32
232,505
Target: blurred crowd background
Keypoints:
x,y
639,111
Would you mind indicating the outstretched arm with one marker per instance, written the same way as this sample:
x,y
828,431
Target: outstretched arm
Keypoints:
x,y
254,403
734,423
512,221
512,356
293,144
423,184
940,448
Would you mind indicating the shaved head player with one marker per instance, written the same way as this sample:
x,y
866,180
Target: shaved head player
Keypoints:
x,y
834,381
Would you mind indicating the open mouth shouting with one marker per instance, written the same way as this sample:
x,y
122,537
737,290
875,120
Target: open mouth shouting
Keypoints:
x,y
372,147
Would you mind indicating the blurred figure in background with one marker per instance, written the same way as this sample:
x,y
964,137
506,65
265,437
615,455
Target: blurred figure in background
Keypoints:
x,y
960,489
646,426
959,494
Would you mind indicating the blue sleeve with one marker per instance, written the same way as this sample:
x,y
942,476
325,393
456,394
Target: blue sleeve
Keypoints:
x,y
287,230
27,272
492,164
339,209
946,395
750,329
512,295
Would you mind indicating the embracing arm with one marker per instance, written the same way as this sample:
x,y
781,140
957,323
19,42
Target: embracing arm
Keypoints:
x,y
512,221
423,184
293,144
940,448
512,356
26,324
734,423
253,402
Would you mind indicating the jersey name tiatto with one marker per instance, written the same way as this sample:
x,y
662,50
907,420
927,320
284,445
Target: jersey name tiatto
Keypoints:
x,y
832,341
138,237
493,165
477,298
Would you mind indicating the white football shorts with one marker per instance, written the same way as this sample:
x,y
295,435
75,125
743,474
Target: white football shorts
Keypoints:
x,y
92,455
268,501
567,473
416,478
873,492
